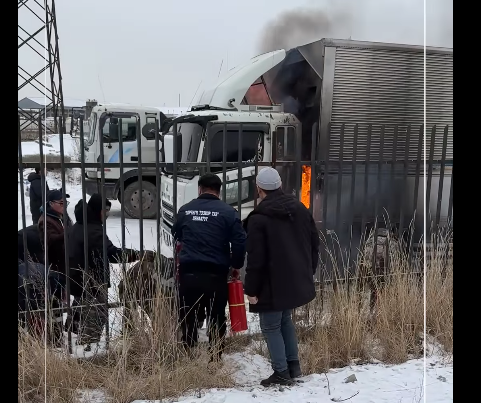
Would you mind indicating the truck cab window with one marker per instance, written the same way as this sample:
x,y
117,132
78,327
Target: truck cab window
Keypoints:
x,y
232,192
252,145
112,126
257,94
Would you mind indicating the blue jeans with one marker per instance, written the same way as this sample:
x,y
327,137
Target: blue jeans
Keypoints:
x,y
280,334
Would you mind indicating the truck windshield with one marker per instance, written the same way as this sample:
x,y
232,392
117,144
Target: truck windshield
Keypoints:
x,y
188,146
188,143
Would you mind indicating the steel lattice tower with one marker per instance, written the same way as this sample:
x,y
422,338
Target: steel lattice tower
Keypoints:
x,y
39,70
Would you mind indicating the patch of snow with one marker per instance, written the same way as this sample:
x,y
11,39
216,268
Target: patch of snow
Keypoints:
x,y
250,368
50,147
375,383
91,396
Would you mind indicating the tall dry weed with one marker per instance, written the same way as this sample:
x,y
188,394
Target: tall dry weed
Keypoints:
x,y
439,289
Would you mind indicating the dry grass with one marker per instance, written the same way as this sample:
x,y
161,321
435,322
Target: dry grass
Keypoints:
x,y
147,362
350,329
126,374
335,330
439,290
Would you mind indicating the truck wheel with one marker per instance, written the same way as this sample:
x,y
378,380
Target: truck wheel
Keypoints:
x,y
132,200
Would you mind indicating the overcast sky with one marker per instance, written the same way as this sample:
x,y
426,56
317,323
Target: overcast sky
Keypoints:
x,y
148,52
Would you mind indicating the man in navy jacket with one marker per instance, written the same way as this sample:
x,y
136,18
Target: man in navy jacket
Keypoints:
x,y
212,240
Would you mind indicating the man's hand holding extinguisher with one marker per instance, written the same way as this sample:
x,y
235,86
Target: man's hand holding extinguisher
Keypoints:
x,y
236,275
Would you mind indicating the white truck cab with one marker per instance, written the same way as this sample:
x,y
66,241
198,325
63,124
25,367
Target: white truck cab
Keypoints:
x,y
109,122
223,107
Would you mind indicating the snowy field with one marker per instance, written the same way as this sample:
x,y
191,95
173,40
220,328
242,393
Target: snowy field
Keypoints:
x,y
376,383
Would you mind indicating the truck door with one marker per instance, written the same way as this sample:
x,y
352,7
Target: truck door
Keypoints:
x,y
112,126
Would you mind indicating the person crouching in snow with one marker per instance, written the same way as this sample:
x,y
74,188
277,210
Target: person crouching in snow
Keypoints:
x,y
282,257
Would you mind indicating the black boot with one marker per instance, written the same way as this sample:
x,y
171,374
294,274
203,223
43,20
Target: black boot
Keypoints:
x,y
278,378
294,369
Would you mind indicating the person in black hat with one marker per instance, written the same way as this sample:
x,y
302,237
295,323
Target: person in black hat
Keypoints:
x,y
89,281
35,179
212,241
52,228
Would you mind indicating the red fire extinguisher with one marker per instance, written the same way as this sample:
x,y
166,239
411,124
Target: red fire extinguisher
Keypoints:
x,y
237,306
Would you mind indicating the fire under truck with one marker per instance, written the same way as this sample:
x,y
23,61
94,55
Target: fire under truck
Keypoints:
x,y
308,93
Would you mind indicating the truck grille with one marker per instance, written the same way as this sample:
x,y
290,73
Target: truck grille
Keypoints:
x,y
167,213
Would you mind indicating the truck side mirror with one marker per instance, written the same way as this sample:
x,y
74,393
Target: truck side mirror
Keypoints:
x,y
113,132
169,148
148,131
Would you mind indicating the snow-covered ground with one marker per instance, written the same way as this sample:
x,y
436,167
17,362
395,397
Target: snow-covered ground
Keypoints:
x,y
376,383
50,147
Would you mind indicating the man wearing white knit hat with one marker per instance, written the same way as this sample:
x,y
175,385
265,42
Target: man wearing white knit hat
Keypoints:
x,y
282,257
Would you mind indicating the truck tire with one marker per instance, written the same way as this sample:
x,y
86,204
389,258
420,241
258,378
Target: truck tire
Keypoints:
x,y
131,200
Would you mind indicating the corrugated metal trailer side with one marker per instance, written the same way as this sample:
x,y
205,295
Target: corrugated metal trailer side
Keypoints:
x,y
383,84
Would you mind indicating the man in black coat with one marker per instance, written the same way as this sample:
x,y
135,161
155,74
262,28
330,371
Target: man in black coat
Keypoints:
x,y
212,240
31,297
35,278
97,278
35,179
35,261
282,257
34,245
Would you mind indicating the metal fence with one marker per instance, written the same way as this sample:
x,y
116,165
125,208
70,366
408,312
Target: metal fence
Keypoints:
x,y
357,180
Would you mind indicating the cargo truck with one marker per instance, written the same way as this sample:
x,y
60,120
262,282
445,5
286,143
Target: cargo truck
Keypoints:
x,y
308,98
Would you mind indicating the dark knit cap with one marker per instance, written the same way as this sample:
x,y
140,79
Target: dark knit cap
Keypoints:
x,y
95,203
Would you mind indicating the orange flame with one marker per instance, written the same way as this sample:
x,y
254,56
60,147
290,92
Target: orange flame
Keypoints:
x,y
306,185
